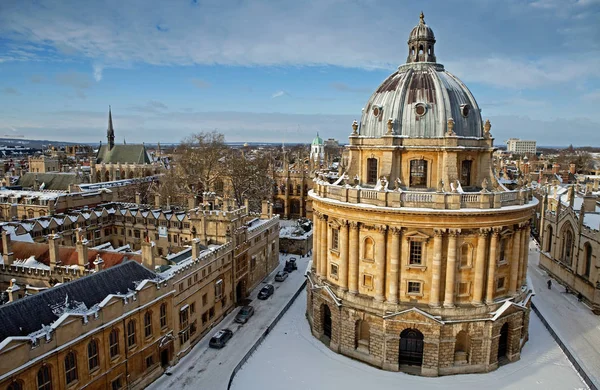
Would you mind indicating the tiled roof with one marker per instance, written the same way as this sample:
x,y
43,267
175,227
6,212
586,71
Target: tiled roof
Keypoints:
x,y
124,154
25,316
52,181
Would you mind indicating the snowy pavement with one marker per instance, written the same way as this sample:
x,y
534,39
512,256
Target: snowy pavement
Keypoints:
x,y
207,368
291,358
574,323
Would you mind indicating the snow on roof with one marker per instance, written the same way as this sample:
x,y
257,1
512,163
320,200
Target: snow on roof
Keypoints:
x,y
31,262
592,221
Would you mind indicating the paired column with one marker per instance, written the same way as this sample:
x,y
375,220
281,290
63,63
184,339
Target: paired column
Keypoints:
x,y
436,268
514,262
343,281
392,294
324,246
353,258
493,260
480,266
451,268
380,263
524,255
316,240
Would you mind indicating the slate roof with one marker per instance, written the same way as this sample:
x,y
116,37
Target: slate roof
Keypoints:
x,y
53,181
124,154
28,315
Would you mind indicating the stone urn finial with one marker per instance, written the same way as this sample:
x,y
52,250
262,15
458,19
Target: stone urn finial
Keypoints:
x,y
355,127
356,180
390,127
486,129
440,187
450,132
484,185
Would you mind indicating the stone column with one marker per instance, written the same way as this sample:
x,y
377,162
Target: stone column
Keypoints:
x,y
491,282
316,239
392,293
323,246
524,255
343,264
451,268
436,268
480,266
353,249
514,262
380,263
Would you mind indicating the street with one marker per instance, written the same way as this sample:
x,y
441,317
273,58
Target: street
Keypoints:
x,y
574,323
209,368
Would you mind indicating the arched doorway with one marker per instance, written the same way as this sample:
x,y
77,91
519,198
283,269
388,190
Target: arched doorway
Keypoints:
x,y
503,341
326,321
411,347
240,294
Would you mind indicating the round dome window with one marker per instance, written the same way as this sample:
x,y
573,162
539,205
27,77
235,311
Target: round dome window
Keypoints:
x,y
464,110
376,111
420,109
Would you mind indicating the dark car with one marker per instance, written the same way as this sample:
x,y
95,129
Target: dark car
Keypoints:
x,y
290,265
244,314
266,291
281,276
220,338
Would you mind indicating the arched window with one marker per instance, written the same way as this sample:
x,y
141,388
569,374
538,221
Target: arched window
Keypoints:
x,y
148,324
588,259
418,173
30,213
113,342
44,378
16,385
567,246
549,235
163,315
93,361
371,171
368,249
70,368
502,250
131,334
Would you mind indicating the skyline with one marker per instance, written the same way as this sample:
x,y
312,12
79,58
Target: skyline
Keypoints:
x,y
281,72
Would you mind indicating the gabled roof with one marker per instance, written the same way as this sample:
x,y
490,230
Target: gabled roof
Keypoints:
x,y
124,154
52,181
30,314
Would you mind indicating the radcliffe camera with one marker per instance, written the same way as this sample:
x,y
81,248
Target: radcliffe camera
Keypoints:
x,y
313,194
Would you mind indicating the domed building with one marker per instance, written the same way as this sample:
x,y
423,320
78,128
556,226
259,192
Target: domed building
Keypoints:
x,y
420,254
317,149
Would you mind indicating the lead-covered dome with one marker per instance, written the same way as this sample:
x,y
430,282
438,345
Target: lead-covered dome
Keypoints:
x,y
421,97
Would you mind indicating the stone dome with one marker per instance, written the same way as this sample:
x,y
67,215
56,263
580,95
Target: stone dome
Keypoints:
x,y
421,97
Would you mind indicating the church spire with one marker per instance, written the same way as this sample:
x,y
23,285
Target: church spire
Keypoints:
x,y
110,133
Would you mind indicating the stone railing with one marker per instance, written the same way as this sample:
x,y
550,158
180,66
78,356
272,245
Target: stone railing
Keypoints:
x,y
423,199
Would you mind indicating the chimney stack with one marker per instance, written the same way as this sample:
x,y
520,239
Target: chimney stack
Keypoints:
x,y
555,168
12,290
138,198
53,249
82,250
195,248
7,253
98,263
157,201
147,256
572,168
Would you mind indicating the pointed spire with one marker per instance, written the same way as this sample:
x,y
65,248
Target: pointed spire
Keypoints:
x,y
110,133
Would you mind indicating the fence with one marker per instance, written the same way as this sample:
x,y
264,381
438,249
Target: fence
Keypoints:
x,y
564,348
264,335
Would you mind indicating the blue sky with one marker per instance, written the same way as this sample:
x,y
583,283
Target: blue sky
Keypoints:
x,y
279,71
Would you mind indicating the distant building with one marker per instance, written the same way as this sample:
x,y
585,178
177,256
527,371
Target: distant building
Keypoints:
x,y
317,149
520,146
43,164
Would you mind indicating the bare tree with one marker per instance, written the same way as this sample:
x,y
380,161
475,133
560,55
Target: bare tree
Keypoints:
x,y
249,178
199,161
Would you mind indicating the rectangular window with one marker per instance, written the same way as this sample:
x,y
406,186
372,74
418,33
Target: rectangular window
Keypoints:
x,y
371,171
193,328
204,318
211,313
189,282
465,173
163,316
193,308
416,252
218,289
368,281
334,271
252,263
502,258
204,299
117,384
418,173
181,287
464,289
500,283
414,287
335,239
149,361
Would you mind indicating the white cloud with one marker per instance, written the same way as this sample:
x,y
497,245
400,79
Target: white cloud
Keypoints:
x,y
98,69
278,94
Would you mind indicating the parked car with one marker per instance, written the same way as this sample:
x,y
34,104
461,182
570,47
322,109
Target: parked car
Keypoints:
x,y
244,314
266,291
220,338
281,276
290,265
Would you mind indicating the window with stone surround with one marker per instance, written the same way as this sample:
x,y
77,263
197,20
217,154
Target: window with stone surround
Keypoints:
x,y
466,256
113,342
414,287
416,253
335,239
131,340
418,173
367,281
502,251
368,249
465,173
371,171
44,378
500,283
163,316
464,289
333,271
70,368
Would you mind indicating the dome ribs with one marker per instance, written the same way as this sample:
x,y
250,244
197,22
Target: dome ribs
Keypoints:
x,y
422,88
390,84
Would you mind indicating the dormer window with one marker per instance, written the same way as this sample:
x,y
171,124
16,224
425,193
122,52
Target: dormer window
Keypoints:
x,y
464,110
420,109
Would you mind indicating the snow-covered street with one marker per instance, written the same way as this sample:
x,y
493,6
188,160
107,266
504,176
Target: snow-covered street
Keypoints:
x,y
573,322
207,368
